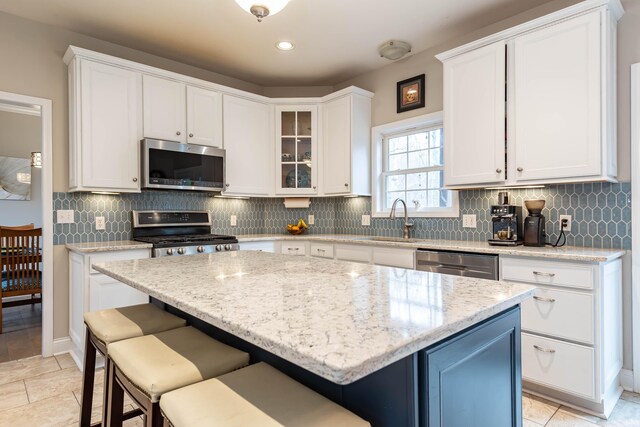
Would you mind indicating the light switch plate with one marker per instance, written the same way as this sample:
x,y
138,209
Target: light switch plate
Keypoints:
x,y
469,221
311,219
100,223
234,220
64,216
366,220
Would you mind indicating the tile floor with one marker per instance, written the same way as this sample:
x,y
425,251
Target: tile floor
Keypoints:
x,y
21,332
46,391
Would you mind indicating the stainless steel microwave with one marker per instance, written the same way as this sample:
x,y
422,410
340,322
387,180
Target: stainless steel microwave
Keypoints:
x,y
175,166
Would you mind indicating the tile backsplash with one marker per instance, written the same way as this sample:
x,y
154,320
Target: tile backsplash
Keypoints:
x,y
601,214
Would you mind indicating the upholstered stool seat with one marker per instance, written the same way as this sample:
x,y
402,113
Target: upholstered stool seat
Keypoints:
x,y
149,366
258,395
111,325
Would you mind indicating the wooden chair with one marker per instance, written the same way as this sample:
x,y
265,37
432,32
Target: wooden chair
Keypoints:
x,y
20,260
17,227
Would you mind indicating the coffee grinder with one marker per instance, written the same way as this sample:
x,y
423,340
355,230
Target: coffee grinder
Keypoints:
x,y
534,224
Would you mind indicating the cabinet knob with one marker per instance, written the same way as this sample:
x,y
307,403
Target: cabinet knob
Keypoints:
x,y
498,170
346,185
226,185
314,187
520,169
190,135
178,133
135,179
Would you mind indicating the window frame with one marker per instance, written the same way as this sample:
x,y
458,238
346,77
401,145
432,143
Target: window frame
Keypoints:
x,y
379,135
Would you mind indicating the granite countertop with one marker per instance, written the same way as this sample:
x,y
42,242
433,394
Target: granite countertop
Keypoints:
x,y
339,320
115,245
567,253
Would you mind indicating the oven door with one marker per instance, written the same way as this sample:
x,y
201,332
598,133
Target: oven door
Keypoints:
x,y
176,166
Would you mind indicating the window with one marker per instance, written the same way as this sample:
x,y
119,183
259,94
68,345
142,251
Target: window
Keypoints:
x,y
411,167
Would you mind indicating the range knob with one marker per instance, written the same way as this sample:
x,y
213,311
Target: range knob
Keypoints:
x,y
169,251
218,248
181,251
227,247
200,249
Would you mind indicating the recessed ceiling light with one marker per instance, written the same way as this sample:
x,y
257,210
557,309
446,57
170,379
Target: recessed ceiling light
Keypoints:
x,y
284,45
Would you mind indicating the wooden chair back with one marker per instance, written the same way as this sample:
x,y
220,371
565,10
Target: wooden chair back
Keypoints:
x,y
20,260
17,227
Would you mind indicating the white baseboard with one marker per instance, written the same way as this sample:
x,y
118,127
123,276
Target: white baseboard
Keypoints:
x,y
626,379
62,345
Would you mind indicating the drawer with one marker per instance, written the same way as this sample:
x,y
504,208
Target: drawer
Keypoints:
x,y
563,314
258,246
116,256
543,272
323,251
402,258
353,253
560,365
297,249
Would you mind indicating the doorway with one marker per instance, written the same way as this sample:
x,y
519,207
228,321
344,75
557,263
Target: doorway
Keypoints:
x,y
27,231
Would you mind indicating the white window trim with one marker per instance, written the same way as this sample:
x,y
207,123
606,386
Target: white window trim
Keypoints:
x,y
378,134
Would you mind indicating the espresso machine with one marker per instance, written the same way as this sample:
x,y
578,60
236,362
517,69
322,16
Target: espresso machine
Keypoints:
x,y
506,223
534,224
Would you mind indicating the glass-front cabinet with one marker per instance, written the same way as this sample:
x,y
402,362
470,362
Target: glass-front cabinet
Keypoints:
x,y
297,148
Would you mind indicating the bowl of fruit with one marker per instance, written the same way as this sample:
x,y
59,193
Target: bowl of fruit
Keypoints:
x,y
298,228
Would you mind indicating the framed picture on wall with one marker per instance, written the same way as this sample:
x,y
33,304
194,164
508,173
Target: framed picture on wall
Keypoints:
x,y
411,93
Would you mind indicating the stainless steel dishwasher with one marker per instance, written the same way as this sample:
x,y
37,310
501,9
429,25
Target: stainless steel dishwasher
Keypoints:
x,y
483,266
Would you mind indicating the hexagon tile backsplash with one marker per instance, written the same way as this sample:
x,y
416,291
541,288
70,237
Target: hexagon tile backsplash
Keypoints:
x,y
601,214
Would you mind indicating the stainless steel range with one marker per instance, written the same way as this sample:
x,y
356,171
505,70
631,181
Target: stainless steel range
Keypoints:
x,y
180,233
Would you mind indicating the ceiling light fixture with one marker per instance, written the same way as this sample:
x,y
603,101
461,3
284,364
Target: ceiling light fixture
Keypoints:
x,y
394,49
262,8
284,45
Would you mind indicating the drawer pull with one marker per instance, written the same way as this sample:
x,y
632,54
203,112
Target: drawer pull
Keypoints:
x,y
544,350
535,297
321,250
538,273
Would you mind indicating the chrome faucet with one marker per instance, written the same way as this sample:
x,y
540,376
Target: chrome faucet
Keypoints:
x,y
406,234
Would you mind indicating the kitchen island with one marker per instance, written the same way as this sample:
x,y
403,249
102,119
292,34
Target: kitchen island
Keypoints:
x,y
398,347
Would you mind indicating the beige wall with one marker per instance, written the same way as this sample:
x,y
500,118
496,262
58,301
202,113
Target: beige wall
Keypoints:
x,y
19,136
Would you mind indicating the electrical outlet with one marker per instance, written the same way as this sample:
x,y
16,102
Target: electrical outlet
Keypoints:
x,y
311,219
567,228
366,220
469,221
100,223
234,220
64,216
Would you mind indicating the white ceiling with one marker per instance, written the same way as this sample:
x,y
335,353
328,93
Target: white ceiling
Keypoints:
x,y
335,39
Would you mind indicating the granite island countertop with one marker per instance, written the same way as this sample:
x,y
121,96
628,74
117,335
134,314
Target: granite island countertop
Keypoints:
x,y
567,253
339,320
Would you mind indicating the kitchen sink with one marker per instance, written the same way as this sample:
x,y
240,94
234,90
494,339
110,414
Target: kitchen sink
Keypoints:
x,y
395,239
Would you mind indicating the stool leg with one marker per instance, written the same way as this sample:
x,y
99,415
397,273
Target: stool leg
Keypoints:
x,y
154,416
115,400
88,376
105,393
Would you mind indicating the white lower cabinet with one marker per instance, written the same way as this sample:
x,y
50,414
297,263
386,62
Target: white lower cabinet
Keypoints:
x,y
392,257
261,246
297,249
321,250
354,253
571,330
90,290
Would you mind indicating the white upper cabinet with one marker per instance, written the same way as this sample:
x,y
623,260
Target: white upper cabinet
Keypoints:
x,y
474,111
248,141
204,117
557,132
105,127
165,109
174,111
560,101
297,149
346,145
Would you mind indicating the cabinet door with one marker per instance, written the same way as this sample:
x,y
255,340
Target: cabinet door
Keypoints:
x,y
248,143
557,106
336,139
110,99
165,109
474,117
204,117
297,150
105,293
